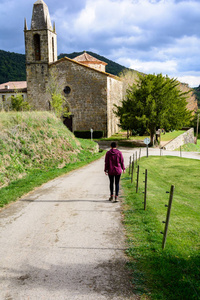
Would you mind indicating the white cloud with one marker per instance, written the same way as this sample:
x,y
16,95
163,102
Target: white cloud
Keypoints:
x,y
193,81
156,67
152,36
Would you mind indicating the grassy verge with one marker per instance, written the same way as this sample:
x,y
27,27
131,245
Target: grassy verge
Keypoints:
x,y
191,147
168,136
122,136
37,177
173,273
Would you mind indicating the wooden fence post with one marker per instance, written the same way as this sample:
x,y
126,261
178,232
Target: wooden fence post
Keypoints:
x,y
132,171
168,216
130,166
138,172
139,153
145,191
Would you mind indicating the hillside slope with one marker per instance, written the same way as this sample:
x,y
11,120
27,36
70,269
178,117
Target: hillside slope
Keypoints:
x,y
12,67
197,93
36,140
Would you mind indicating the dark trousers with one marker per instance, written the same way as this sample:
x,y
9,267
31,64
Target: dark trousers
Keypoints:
x,y
116,178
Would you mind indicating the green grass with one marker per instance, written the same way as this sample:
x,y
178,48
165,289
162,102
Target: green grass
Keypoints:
x,y
34,148
171,135
191,147
172,273
122,136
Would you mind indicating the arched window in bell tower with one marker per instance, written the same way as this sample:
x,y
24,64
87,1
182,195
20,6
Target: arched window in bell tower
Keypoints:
x,y
37,47
53,48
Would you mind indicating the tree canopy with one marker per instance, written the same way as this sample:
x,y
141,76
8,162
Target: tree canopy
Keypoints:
x,y
154,102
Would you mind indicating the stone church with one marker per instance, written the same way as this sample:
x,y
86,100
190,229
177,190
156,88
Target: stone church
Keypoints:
x,y
89,91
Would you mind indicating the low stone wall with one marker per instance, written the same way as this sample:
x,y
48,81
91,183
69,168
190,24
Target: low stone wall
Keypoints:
x,y
185,138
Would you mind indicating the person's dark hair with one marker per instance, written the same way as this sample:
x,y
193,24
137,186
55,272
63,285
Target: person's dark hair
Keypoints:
x,y
113,145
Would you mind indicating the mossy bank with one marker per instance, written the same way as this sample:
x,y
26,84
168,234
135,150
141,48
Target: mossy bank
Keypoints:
x,y
37,144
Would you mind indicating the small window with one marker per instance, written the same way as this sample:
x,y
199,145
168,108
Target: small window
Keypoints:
x,y
67,90
37,47
3,98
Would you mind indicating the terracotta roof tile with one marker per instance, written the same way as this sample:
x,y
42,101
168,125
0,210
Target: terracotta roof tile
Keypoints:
x,y
13,85
85,57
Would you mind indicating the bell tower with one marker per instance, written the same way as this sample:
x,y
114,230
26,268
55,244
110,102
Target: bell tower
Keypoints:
x,y
41,50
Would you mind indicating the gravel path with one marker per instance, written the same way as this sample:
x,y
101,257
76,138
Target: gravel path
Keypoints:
x,y
63,241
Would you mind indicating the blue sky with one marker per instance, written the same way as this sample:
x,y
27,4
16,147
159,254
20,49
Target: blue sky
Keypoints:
x,y
151,36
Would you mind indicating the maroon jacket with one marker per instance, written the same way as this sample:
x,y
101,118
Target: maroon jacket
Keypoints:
x,y
114,162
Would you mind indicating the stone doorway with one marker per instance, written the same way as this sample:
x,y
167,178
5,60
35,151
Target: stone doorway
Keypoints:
x,y
68,122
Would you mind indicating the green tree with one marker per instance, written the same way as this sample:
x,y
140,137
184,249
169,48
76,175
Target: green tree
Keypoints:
x,y
58,102
154,102
18,103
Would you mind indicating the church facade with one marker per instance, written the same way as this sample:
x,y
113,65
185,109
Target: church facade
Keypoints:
x,y
89,91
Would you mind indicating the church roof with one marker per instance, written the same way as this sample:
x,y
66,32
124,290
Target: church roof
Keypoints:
x,y
40,16
13,85
85,66
85,57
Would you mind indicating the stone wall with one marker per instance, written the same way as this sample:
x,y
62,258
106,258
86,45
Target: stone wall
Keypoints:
x,y
114,91
37,80
185,138
37,71
86,94
46,46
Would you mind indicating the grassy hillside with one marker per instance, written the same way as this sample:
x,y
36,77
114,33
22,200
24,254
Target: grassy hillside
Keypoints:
x,y
172,273
36,141
197,93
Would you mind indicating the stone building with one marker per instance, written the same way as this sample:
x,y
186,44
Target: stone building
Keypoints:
x,y
90,92
9,89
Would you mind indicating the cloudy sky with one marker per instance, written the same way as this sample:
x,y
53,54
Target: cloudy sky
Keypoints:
x,y
151,36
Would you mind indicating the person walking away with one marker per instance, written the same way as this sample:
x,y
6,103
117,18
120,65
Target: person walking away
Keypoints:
x,y
114,164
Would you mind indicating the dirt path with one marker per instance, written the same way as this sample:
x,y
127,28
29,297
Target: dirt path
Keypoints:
x,y
64,241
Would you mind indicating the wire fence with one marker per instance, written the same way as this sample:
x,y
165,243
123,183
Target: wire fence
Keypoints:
x,y
134,167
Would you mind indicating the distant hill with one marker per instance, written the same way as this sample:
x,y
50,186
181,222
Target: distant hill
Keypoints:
x,y
12,65
197,93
